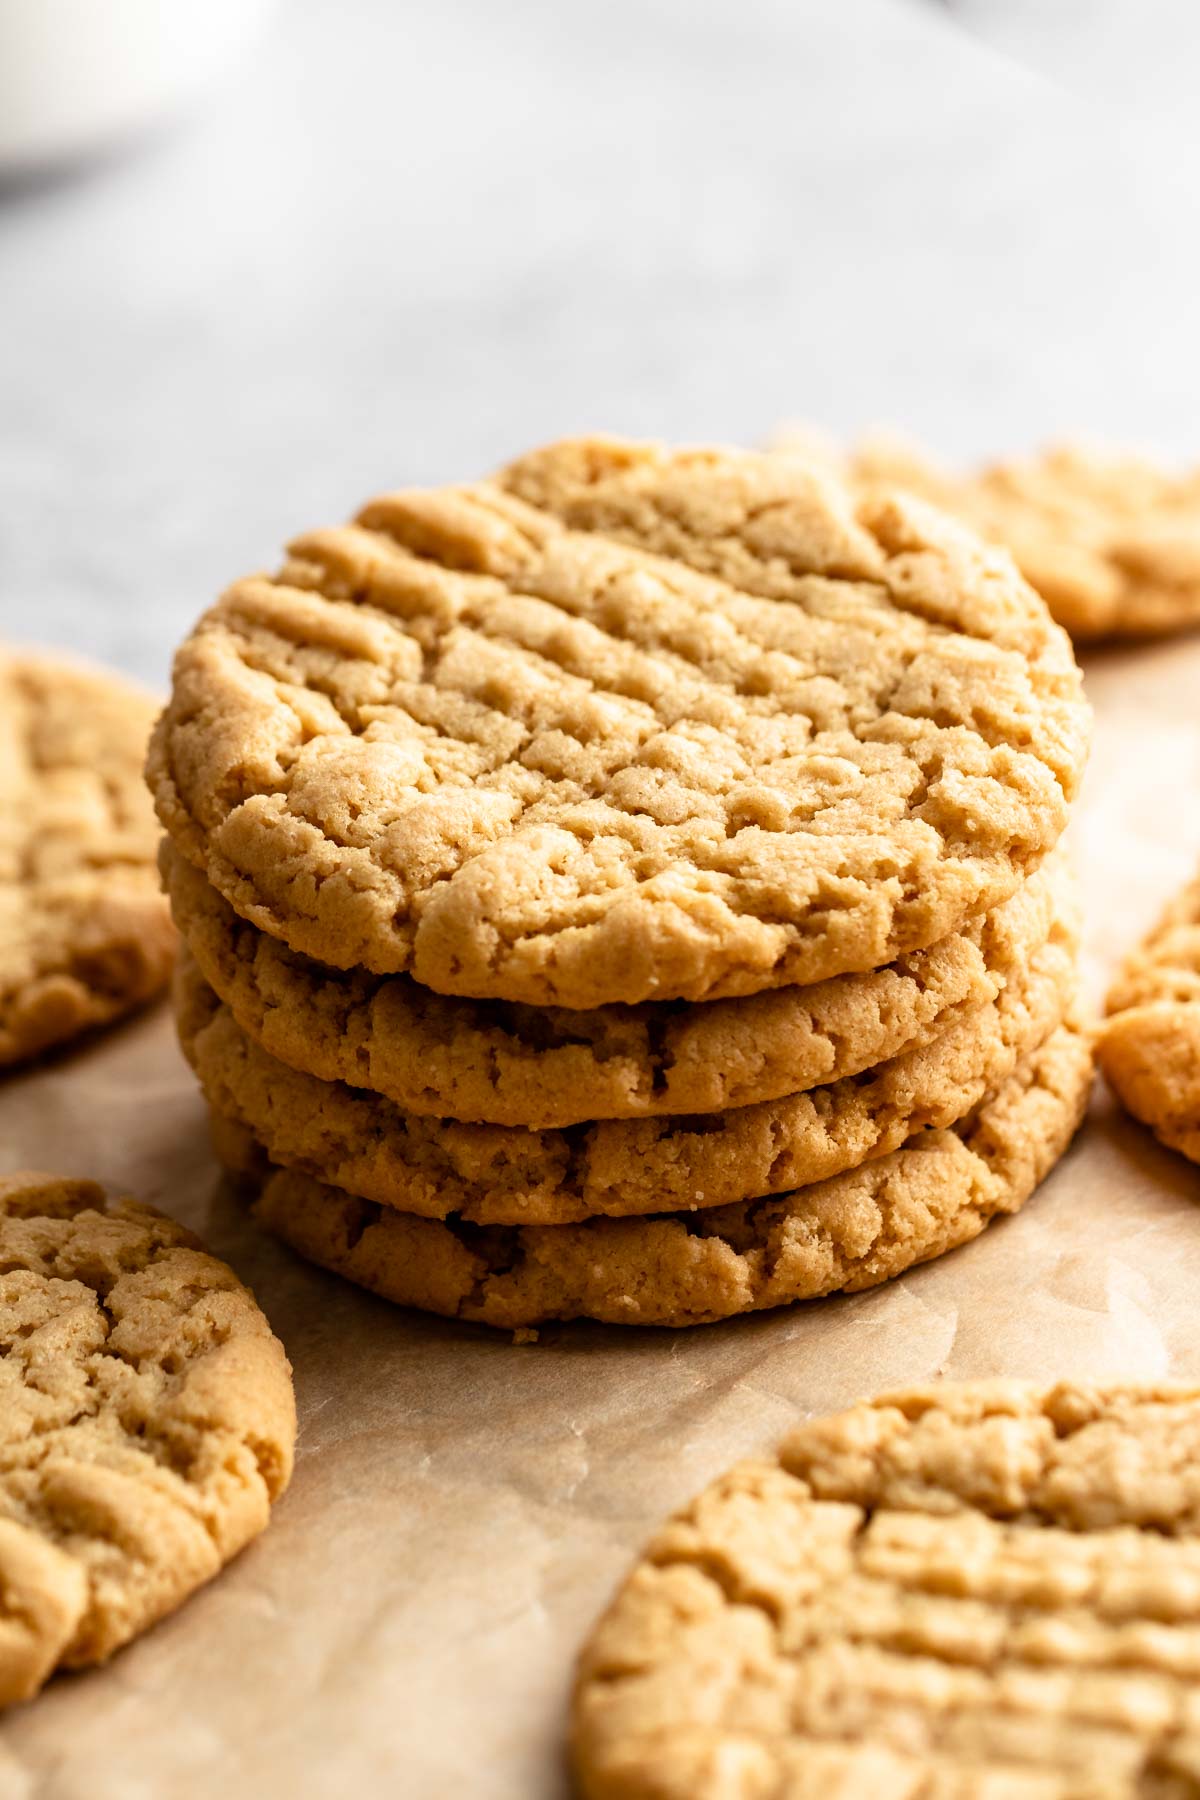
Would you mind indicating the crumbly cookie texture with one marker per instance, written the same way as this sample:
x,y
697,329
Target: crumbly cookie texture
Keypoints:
x,y
85,934
491,1062
623,724
1150,1045
147,1423
1109,539
506,1175
851,1232
961,1592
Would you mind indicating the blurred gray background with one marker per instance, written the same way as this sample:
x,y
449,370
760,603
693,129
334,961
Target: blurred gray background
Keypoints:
x,y
404,241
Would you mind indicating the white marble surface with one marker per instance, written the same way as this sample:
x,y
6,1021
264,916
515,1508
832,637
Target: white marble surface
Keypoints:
x,y
412,239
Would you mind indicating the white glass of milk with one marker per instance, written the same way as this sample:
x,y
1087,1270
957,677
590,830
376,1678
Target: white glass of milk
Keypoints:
x,y
78,76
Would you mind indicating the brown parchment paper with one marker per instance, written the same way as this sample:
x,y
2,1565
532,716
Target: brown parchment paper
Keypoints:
x,y
462,1507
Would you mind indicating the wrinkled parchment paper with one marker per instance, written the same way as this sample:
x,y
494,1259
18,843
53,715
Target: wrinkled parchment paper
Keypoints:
x,y
462,1507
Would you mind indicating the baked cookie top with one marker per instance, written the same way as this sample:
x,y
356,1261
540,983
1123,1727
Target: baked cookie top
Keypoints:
x,y
85,934
1150,1045
623,723
146,1423
1109,539
495,1062
969,1590
853,1231
507,1175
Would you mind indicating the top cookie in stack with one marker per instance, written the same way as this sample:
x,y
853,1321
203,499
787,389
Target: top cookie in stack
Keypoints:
x,y
629,783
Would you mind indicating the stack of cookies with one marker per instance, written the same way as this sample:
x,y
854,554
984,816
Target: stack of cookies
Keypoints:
x,y
628,888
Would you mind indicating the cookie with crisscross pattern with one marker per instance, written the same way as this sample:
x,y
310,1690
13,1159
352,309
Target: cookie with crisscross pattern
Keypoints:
x,y
623,723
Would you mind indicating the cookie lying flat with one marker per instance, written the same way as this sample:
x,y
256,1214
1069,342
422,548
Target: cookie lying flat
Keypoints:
x,y
85,934
146,1423
504,1175
491,1063
1109,540
623,724
1150,1046
851,1232
960,1592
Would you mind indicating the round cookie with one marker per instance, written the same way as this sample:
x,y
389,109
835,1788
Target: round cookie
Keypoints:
x,y
975,1591
147,1423
851,1232
1149,1047
488,1062
85,934
1109,539
503,1175
623,724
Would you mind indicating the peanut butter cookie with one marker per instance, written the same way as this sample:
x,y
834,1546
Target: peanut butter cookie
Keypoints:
x,y
621,724
147,1423
1150,1046
965,1591
491,1062
1110,540
504,1175
938,1191
85,934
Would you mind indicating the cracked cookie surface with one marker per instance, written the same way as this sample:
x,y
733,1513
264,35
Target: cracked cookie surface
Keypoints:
x,y
507,1175
1109,539
1150,1045
623,724
853,1231
976,1591
147,1423
494,1063
85,934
